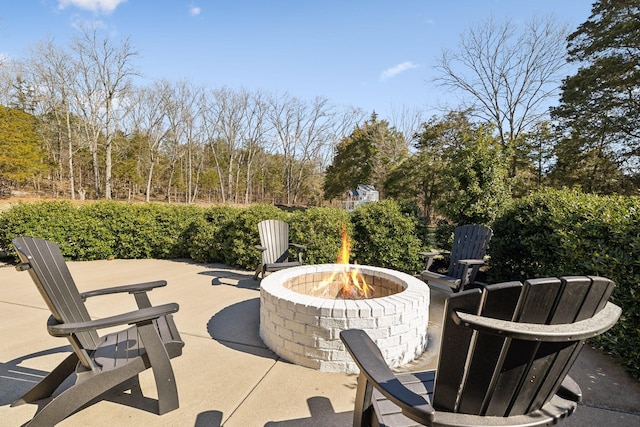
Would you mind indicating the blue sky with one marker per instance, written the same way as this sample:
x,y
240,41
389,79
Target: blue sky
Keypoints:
x,y
376,55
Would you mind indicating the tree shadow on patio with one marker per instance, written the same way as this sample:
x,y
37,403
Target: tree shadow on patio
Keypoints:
x,y
322,415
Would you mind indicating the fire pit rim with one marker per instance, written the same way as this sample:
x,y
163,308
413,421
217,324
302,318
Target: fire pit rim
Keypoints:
x,y
274,282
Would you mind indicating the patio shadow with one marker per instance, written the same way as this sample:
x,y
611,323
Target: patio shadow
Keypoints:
x,y
209,419
237,326
232,278
16,380
322,415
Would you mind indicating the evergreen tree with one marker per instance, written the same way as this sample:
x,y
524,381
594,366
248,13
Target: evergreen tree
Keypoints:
x,y
364,157
477,180
20,147
599,111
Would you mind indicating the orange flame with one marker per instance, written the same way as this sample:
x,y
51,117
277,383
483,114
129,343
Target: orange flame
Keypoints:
x,y
345,249
353,283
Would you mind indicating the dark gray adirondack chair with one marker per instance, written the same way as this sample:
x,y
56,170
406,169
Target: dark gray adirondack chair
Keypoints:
x,y
274,247
469,248
101,363
505,354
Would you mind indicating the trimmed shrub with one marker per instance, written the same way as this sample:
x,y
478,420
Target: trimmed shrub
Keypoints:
x,y
209,233
103,230
385,237
556,233
60,222
147,230
321,230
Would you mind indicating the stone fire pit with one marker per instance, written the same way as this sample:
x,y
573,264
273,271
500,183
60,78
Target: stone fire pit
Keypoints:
x,y
301,323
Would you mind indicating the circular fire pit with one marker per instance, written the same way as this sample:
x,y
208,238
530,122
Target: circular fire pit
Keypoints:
x,y
301,318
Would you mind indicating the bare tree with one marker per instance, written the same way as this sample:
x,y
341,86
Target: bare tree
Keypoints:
x,y
224,125
408,122
182,112
106,71
6,77
302,132
194,132
149,119
55,72
345,121
507,73
253,139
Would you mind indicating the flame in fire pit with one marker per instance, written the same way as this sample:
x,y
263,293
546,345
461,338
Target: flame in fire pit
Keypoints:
x,y
354,286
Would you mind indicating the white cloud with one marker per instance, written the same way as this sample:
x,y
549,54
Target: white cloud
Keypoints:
x,y
394,71
79,23
194,10
99,6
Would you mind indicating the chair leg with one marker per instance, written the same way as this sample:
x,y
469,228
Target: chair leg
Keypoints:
x,y
255,276
83,392
161,367
261,270
51,382
362,409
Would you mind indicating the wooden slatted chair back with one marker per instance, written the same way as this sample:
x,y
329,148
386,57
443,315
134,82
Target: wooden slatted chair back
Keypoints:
x,y
274,235
49,271
486,374
469,242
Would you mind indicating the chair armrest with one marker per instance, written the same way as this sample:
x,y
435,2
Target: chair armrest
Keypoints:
x,y
428,254
132,289
142,315
429,258
471,261
599,323
433,253
570,390
469,277
372,365
299,248
260,248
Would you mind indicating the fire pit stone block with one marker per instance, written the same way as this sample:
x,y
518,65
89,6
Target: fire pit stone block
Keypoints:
x,y
302,326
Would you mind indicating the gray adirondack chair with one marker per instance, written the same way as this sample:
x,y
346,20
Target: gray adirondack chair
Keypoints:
x,y
274,247
470,244
506,351
101,363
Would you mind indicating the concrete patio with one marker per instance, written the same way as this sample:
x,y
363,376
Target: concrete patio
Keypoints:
x,y
226,376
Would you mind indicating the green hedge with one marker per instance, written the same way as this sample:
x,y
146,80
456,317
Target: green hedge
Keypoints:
x,y
320,229
103,230
385,236
206,244
556,233
220,234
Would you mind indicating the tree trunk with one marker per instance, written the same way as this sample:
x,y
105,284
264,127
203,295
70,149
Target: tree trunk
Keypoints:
x,y
72,183
149,177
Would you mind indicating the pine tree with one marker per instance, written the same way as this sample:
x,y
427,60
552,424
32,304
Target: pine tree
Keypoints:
x,y
599,111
